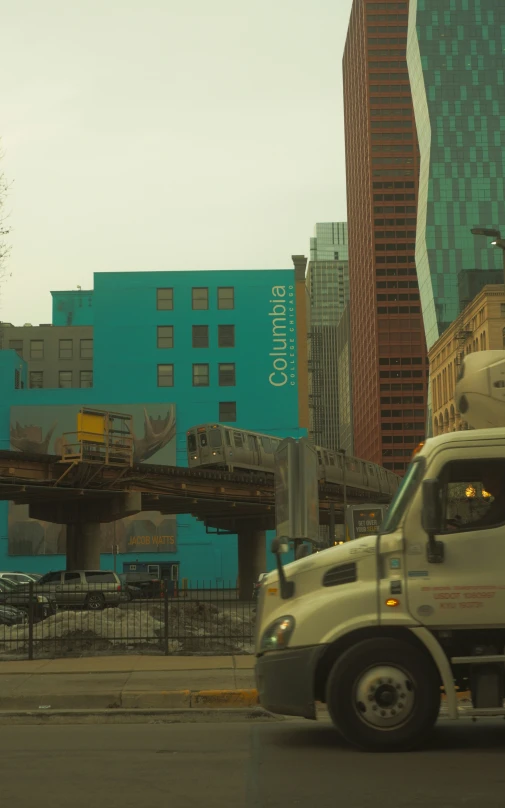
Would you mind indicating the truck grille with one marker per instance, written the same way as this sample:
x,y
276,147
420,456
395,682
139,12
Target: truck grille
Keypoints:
x,y
343,574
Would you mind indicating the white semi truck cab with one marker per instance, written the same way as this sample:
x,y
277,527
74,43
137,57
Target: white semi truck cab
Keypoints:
x,y
381,628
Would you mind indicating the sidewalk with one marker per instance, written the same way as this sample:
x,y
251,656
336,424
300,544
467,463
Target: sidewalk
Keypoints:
x,y
128,682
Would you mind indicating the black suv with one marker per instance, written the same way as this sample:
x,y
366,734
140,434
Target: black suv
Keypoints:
x,y
142,585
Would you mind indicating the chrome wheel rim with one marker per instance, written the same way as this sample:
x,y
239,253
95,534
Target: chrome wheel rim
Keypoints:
x,y
384,697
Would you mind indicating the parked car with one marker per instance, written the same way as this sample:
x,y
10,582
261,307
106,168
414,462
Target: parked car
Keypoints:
x,y
257,585
18,597
142,585
10,616
88,589
19,577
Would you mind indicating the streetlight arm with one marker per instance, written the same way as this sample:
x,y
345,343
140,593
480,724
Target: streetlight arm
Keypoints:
x,y
486,231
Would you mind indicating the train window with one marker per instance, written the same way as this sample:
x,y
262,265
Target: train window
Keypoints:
x,y
331,458
191,443
371,470
203,439
251,442
215,438
267,445
325,455
228,437
237,439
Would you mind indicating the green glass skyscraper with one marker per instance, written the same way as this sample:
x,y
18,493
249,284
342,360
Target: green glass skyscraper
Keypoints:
x,y
456,61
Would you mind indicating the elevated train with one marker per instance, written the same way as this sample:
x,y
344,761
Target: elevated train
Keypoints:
x,y
215,446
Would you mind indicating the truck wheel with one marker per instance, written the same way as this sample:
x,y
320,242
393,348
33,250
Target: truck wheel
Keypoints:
x,y
383,695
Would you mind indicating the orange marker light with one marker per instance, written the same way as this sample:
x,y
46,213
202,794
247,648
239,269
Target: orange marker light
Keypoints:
x,y
392,602
417,449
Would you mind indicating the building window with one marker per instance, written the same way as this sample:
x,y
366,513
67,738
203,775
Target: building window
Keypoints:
x,y
227,375
164,299
65,378
36,379
200,336
36,349
16,345
165,375
165,336
200,375
86,349
228,411
226,336
86,378
66,348
226,297
200,297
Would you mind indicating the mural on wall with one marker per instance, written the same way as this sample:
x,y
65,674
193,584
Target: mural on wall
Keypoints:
x,y
41,430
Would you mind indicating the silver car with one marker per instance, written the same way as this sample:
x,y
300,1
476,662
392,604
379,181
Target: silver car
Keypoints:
x,y
18,577
88,589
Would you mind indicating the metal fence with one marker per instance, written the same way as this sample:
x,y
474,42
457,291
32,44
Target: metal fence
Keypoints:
x,y
101,618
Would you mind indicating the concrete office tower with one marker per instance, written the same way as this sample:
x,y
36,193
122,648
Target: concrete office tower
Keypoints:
x,y
456,60
388,350
328,290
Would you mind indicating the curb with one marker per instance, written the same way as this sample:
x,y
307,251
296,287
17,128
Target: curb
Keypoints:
x,y
121,716
132,700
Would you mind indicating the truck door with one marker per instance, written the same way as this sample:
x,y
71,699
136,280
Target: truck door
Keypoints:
x,y
468,588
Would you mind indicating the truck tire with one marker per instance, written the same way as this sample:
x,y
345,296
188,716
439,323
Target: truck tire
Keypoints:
x,y
383,695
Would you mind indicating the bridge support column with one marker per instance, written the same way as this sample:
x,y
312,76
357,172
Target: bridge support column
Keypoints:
x,y
252,559
83,546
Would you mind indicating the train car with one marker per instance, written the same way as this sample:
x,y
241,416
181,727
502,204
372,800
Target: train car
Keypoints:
x,y
223,447
358,473
218,446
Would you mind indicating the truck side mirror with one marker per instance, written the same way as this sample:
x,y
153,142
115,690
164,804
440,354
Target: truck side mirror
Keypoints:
x,y
431,520
280,545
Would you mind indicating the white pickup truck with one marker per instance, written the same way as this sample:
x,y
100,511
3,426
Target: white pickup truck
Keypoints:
x,y
381,628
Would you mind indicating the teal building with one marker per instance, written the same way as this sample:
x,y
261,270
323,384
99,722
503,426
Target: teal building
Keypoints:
x,y
174,350
456,61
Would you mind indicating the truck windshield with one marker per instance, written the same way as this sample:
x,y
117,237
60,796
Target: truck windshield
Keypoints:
x,y
403,496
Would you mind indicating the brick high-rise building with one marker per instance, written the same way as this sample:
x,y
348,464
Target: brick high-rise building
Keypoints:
x,y
388,349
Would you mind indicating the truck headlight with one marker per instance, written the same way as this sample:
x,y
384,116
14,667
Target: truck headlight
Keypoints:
x,y
277,635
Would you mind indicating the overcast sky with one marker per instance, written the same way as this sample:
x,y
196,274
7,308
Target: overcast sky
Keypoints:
x,y
141,137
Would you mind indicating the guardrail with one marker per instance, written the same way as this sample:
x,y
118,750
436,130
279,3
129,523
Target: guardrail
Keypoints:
x,y
106,618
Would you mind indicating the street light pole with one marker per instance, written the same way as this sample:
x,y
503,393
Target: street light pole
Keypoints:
x,y
494,234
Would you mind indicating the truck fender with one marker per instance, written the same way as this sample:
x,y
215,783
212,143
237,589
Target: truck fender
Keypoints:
x,y
440,659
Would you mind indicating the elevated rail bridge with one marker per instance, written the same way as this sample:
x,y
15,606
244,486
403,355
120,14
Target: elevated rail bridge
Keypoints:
x,y
82,494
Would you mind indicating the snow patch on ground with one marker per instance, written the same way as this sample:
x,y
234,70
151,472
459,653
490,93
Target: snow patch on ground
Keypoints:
x,y
192,628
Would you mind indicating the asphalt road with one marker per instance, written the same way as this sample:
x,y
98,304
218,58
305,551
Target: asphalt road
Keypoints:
x,y
245,765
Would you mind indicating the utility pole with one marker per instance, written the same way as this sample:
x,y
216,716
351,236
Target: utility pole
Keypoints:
x,y
342,452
